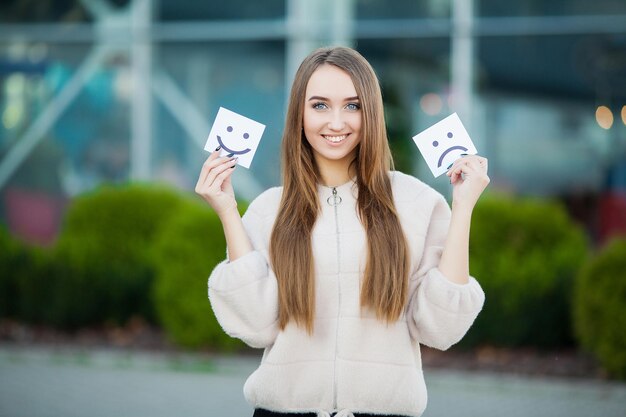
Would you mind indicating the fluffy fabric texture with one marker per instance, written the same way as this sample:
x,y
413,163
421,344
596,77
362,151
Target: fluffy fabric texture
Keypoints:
x,y
352,362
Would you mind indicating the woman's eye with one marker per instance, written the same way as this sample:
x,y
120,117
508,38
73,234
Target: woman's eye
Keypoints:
x,y
319,106
353,106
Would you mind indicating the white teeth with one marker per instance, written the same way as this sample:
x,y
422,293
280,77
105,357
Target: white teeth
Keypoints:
x,y
335,139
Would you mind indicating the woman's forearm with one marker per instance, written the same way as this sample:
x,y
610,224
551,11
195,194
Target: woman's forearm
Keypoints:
x,y
454,263
236,237
468,176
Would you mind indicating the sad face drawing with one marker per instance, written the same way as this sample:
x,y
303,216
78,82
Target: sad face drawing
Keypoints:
x,y
443,143
447,151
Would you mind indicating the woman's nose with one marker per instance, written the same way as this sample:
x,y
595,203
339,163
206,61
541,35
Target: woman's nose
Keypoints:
x,y
336,122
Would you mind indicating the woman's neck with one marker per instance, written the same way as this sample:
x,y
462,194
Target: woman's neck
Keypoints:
x,y
335,173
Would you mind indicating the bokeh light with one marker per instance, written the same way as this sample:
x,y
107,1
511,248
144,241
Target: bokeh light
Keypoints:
x,y
12,115
14,88
604,117
431,104
15,85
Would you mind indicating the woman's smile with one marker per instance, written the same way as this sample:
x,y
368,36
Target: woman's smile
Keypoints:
x,y
335,139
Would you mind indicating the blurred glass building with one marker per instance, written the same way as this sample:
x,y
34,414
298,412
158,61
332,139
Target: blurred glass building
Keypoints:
x,y
100,91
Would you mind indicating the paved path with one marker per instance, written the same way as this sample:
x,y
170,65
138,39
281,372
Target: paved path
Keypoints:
x,y
55,383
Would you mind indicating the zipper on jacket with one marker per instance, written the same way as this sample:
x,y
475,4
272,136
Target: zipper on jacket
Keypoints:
x,y
336,200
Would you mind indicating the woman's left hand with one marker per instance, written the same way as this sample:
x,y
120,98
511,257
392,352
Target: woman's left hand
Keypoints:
x,y
468,176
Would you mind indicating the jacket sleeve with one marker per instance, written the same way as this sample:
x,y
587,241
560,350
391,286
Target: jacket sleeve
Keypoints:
x,y
244,293
439,311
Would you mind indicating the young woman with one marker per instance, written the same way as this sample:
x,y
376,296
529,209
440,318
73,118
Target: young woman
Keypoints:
x,y
343,271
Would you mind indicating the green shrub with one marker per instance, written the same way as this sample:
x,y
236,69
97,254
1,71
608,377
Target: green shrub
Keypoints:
x,y
25,287
185,253
600,307
100,270
525,254
36,287
15,264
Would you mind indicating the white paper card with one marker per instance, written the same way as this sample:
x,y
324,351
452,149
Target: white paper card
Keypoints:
x,y
236,134
443,143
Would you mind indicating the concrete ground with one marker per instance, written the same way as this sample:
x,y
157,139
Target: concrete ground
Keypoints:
x,y
47,382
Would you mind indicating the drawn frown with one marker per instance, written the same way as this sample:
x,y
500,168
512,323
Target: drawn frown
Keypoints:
x,y
443,143
447,151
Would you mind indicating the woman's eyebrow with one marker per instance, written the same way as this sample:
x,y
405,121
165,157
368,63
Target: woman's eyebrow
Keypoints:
x,y
327,99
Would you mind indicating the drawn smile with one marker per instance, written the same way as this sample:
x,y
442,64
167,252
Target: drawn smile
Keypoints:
x,y
447,151
219,140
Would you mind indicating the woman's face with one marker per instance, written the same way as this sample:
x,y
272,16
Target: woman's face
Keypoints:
x,y
332,116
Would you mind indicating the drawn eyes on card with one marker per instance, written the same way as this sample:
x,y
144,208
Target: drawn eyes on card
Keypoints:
x,y
447,151
232,139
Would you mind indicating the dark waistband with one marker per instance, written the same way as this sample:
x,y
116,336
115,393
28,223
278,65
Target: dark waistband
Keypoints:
x,y
261,412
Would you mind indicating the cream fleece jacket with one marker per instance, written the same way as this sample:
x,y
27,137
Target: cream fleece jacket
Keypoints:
x,y
353,362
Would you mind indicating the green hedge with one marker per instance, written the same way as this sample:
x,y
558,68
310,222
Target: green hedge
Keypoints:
x,y
600,307
525,254
148,251
100,270
115,242
16,263
185,253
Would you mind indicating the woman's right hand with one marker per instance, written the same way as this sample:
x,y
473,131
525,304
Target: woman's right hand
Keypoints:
x,y
214,183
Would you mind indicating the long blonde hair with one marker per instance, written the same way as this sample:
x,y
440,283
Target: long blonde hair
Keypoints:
x,y
385,284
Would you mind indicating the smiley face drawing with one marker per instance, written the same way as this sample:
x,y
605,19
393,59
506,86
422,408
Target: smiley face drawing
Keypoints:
x,y
443,143
235,134
227,149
